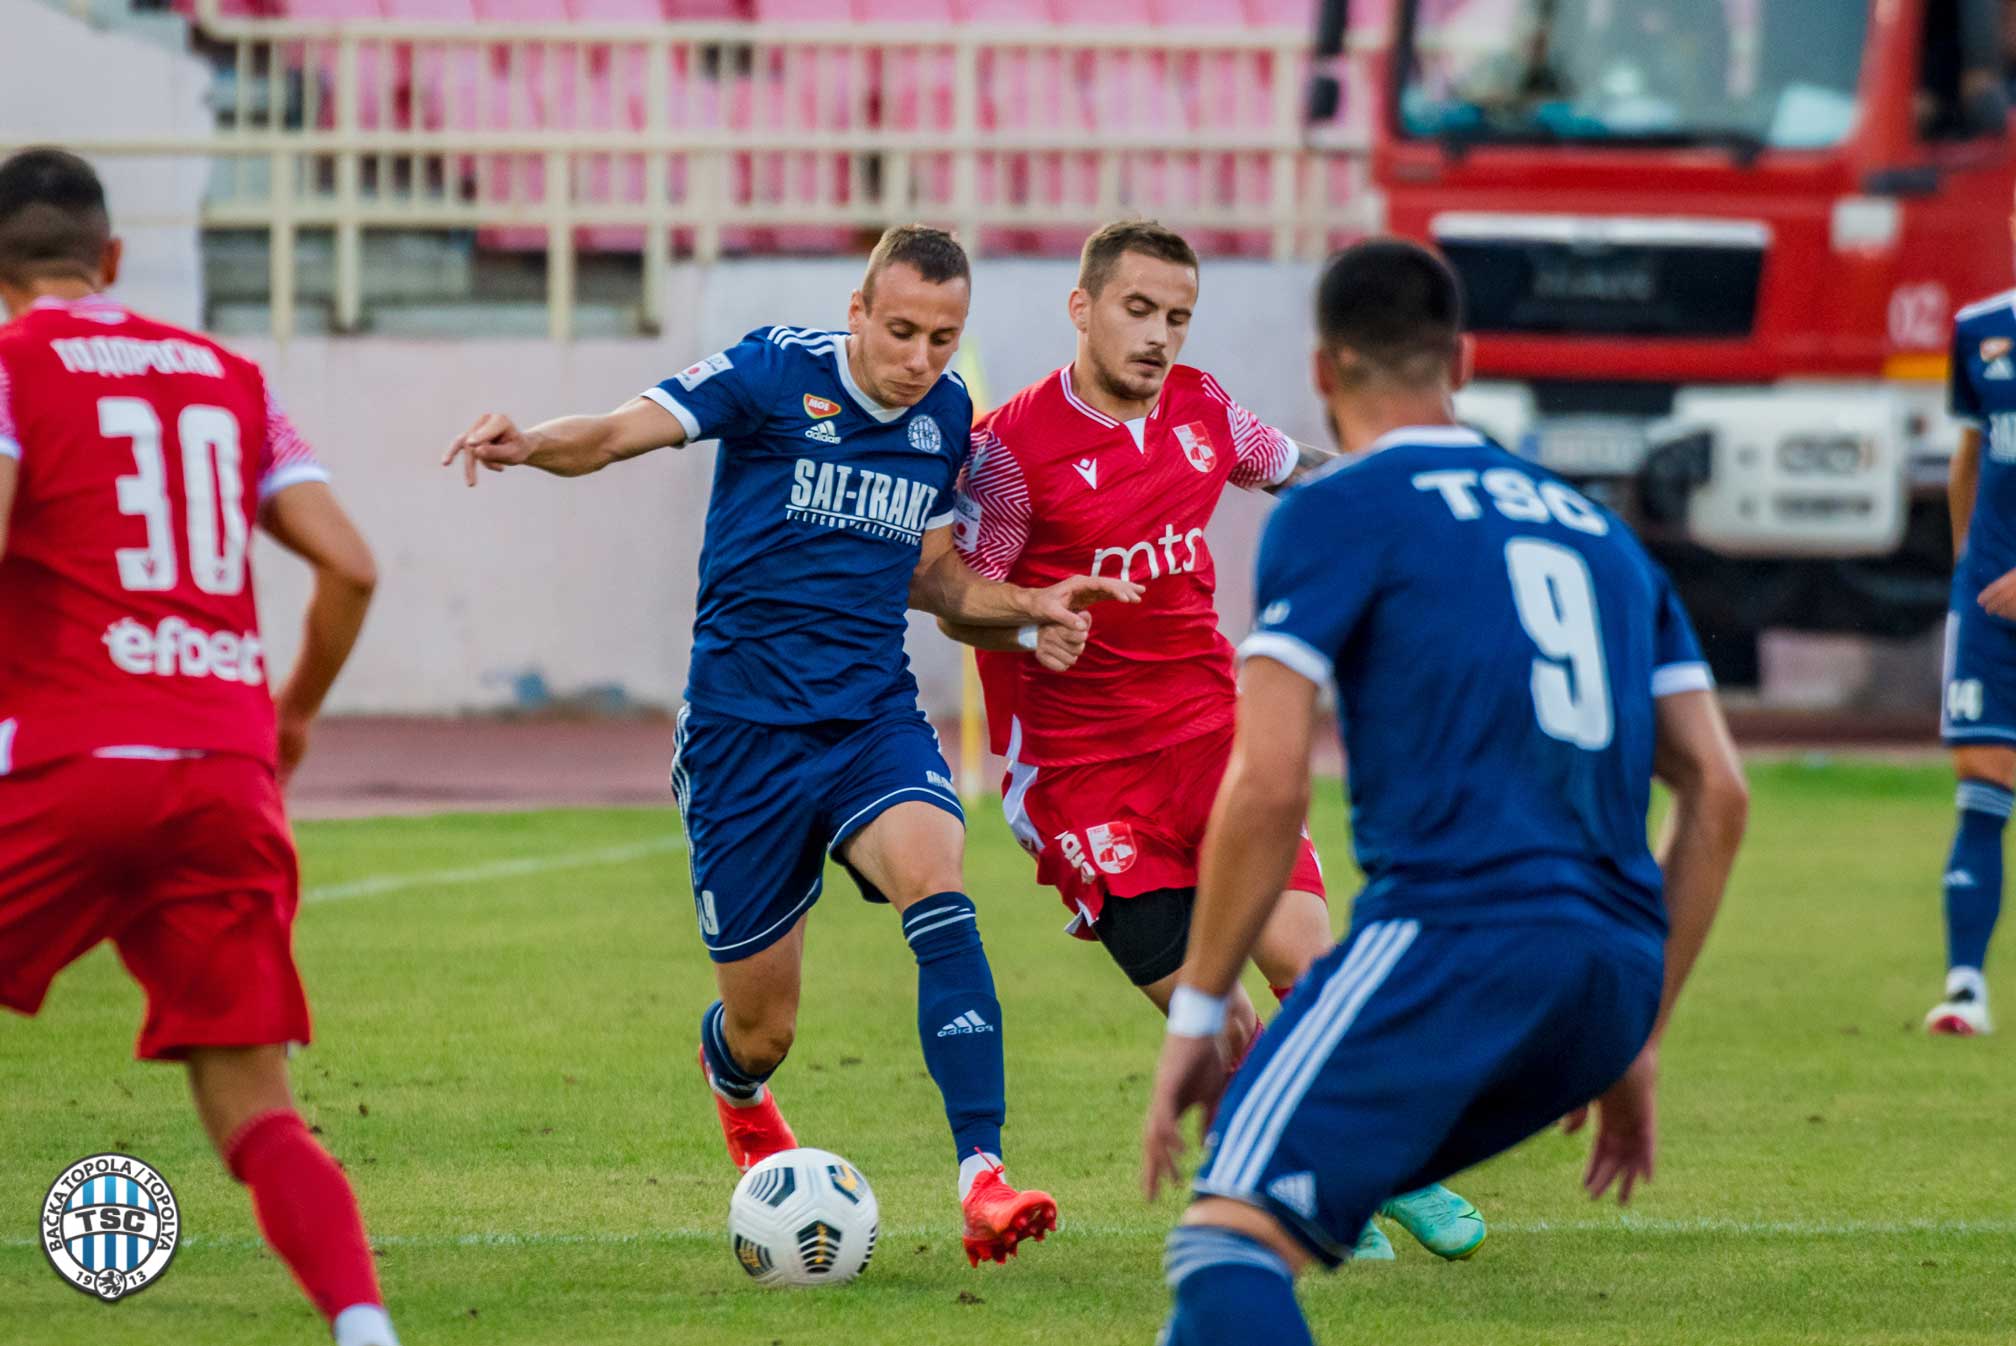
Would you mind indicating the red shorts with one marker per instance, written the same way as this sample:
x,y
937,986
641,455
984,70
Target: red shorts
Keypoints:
x,y
186,866
1129,826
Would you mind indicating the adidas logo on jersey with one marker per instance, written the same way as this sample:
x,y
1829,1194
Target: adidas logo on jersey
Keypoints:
x,y
823,431
969,1022
1999,368
1296,1191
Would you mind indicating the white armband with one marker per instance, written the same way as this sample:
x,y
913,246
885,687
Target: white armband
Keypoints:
x,y
1193,1014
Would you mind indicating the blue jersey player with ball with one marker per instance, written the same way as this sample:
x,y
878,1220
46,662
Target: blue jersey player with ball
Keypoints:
x,y
830,515
1511,671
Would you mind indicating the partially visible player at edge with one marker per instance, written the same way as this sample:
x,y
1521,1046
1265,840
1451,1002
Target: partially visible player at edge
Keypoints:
x,y
1978,717
1115,463
801,738
138,741
1511,672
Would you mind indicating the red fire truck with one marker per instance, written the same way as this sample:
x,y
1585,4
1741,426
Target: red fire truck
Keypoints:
x,y
1713,249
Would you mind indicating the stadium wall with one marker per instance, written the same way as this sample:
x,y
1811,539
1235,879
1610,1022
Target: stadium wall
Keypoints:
x,y
532,586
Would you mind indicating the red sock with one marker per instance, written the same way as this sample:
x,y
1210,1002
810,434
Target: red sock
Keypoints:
x,y
1280,992
306,1210
1251,1043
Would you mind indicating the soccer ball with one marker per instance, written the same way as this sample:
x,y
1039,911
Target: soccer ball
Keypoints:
x,y
803,1217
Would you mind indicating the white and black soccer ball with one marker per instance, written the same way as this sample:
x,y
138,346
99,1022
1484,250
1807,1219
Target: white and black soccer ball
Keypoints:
x,y
803,1217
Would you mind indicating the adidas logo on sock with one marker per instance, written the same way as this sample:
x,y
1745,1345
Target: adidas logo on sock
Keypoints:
x,y
969,1022
1296,1191
1959,878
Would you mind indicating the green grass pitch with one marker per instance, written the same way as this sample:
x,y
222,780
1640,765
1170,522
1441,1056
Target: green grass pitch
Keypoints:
x,y
505,1066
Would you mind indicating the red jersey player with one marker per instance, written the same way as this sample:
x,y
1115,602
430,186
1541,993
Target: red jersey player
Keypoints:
x,y
1115,464
139,742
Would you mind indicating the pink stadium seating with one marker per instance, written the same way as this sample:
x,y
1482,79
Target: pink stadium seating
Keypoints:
x,y
495,82
905,11
1297,14
1198,13
1021,12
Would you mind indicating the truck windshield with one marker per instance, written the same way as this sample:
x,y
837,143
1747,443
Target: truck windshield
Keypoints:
x,y
1752,74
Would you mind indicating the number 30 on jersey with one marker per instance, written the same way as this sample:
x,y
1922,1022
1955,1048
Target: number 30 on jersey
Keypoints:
x,y
213,483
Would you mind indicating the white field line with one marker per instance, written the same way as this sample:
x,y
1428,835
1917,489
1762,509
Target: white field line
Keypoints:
x,y
495,869
1627,1225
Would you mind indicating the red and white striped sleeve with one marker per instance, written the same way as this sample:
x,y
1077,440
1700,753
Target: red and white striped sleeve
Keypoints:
x,y
991,516
286,460
1261,455
10,434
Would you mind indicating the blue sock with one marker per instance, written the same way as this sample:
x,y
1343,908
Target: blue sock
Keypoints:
x,y
958,1019
1230,1288
729,1078
1974,872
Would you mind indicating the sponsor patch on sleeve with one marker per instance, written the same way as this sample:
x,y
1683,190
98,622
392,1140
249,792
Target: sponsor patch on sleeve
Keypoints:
x,y
694,375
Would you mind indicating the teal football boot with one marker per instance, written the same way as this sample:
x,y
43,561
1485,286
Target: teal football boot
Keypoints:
x,y
1373,1246
1440,1221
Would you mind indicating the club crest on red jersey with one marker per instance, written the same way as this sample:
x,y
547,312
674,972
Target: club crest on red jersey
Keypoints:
x,y
1196,442
819,408
1113,848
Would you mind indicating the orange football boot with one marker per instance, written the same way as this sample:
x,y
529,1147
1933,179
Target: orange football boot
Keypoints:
x,y
998,1218
754,1133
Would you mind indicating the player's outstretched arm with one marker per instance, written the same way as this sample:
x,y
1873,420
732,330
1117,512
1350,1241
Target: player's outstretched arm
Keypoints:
x,y
945,586
1249,851
1308,460
1697,760
572,446
1056,647
307,520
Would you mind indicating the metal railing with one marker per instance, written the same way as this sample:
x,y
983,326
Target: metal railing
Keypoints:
x,y
698,137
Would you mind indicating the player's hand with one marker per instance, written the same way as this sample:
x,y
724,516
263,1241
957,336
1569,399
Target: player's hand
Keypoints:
x,y
1064,602
293,740
1191,1074
1058,647
494,441
1626,1130
2000,597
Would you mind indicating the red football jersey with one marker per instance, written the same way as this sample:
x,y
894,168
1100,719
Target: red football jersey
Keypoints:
x,y
126,610
1054,488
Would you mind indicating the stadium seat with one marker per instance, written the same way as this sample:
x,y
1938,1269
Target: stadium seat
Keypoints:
x,y
1019,13
1198,13
911,90
797,89
1296,14
1224,90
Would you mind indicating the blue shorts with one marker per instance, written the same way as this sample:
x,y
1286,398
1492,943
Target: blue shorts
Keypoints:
x,y
766,804
1978,683
1411,1052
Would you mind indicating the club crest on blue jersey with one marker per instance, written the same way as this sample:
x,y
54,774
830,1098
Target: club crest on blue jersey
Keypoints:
x,y
110,1225
924,435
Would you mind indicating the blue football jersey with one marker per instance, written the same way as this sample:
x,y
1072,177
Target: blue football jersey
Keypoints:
x,y
821,497
1496,642
1984,396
